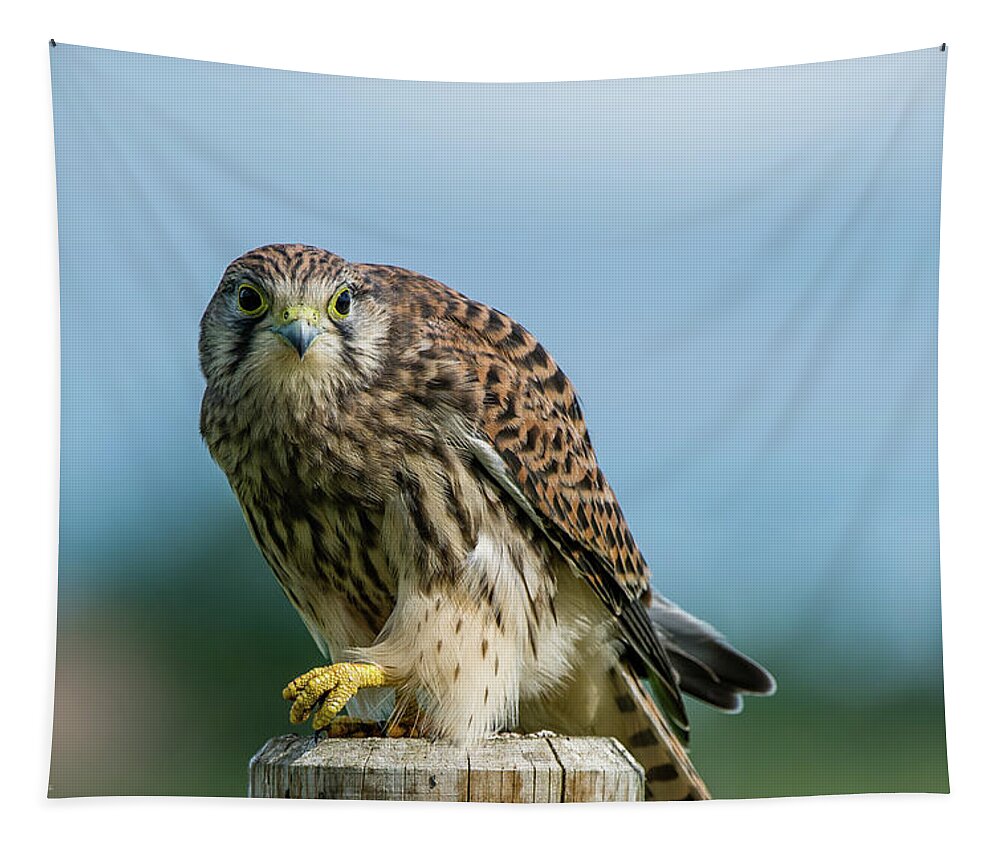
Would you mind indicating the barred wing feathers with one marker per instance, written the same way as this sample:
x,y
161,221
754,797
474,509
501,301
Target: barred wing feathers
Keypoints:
x,y
528,417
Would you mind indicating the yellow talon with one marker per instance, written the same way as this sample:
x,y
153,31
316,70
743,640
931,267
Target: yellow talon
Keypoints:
x,y
334,685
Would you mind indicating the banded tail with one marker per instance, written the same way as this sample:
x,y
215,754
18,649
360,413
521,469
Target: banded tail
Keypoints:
x,y
708,668
638,723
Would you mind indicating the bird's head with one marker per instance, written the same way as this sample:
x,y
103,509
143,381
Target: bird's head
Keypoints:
x,y
292,322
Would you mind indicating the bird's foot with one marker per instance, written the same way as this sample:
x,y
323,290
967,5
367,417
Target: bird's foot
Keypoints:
x,y
345,727
329,687
406,727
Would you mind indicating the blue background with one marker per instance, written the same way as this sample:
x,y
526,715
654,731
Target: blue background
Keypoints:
x,y
737,270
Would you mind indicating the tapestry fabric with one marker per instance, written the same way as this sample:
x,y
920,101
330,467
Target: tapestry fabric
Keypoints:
x,y
498,395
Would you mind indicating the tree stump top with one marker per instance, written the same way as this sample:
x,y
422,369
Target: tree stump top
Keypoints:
x,y
506,769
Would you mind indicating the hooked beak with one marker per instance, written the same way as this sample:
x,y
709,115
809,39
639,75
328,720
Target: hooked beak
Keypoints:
x,y
299,334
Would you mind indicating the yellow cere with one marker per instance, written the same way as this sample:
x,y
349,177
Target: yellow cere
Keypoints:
x,y
300,311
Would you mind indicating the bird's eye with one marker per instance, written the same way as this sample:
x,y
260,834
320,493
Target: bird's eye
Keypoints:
x,y
250,300
340,304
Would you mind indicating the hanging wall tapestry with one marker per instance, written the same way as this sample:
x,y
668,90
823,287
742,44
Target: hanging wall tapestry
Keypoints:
x,y
577,439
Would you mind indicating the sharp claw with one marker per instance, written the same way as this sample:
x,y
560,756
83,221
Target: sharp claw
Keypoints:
x,y
333,703
331,687
308,696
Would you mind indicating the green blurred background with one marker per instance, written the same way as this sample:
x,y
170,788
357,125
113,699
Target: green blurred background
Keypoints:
x,y
168,688
738,271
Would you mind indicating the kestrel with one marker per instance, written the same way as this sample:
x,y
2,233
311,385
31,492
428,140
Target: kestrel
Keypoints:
x,y
416,470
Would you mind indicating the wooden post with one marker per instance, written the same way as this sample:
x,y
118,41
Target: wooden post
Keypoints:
x,y
506,769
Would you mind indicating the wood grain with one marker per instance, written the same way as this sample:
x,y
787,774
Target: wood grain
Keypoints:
x,y
506,769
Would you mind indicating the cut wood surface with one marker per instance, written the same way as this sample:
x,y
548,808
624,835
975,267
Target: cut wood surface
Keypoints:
x,y
506,769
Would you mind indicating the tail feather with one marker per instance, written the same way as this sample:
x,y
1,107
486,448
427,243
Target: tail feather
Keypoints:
x,y
709,668
606,697
610,694
639,724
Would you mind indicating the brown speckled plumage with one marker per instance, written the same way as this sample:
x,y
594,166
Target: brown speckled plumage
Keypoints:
x,y
423,485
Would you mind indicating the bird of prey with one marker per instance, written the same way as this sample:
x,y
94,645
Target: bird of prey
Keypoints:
x,y
416,470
